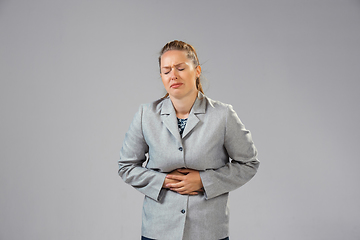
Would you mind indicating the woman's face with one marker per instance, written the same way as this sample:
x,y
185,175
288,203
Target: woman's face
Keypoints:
x,y
179,74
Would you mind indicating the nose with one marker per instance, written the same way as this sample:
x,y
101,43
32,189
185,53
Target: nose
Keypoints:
x,y
173,74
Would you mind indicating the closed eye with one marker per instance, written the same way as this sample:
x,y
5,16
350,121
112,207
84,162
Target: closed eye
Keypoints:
x,y
166,70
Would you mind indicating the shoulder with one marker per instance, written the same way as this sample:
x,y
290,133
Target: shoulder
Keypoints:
x,y
154,106
222,111
214,105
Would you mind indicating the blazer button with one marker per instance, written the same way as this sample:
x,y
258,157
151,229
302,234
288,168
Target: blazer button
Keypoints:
x,y
183,211
180,148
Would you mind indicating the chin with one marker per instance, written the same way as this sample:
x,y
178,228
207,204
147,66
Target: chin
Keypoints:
x,y
175,95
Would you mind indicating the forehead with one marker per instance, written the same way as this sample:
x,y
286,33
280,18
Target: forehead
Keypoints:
x,y
174,57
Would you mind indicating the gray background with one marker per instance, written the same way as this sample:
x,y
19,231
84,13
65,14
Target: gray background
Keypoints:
x,y
73,73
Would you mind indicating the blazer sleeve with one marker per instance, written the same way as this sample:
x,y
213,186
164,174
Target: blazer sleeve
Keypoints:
x,y
132,157
243,165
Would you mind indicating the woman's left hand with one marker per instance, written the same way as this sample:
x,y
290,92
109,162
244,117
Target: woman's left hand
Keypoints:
x,y
188,183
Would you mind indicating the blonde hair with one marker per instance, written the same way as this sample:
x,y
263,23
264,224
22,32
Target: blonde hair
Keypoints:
x,y
191,54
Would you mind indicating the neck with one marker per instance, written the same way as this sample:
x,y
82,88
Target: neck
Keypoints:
x,y
183,105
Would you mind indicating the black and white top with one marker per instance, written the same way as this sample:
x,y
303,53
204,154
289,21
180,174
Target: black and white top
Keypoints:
x,y
181,125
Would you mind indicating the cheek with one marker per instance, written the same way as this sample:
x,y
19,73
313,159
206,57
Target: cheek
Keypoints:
x,y
164,81
191,78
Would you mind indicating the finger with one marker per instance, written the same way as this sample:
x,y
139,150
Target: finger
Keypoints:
x,y
184,170
180,192
186,192
176,177
176,172
175,185
180,188
193,193
169,181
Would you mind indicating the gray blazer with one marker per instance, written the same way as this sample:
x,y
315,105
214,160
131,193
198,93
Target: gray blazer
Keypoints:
x,y
214,141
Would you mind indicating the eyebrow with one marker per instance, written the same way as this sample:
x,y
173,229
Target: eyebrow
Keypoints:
x,y
176,65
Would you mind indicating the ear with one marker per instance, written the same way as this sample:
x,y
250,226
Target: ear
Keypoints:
x,y
198,71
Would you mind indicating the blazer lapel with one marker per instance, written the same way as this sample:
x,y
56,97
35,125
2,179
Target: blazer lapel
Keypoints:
x,y
168,117
191,123
193,120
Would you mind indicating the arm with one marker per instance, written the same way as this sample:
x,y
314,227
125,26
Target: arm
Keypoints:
x,y
132,156
243,166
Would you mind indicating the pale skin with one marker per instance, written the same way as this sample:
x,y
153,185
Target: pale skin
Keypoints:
x,y
178,74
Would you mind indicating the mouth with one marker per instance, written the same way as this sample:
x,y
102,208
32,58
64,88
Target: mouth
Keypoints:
x,y
176,85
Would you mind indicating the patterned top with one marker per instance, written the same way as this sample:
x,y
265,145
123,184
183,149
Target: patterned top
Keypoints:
x,y
181,125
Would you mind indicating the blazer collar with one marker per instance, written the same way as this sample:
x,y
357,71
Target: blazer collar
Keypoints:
x,y
169,115
199,105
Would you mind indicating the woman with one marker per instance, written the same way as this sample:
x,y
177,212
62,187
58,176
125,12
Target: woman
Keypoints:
x,y
198,151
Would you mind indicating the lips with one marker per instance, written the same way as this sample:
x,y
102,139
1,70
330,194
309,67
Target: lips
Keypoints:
x,y
176,85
